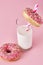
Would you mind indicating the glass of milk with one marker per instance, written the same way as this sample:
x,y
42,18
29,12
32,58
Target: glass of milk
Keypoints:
x,y
24,37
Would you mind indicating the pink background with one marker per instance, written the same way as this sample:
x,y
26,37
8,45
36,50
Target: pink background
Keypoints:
x,y
10,10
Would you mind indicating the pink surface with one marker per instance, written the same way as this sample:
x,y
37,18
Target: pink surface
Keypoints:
x,y
9,11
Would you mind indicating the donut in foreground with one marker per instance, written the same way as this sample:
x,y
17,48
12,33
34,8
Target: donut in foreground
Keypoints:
x,y
10,52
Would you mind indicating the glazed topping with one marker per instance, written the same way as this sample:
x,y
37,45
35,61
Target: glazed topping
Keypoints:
x,y
10,51
35,16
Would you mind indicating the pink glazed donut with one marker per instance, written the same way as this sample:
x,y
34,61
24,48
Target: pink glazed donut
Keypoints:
x,y
10,52
32,17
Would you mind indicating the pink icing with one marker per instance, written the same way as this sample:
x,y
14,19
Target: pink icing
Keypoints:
x,y
35,16
14,48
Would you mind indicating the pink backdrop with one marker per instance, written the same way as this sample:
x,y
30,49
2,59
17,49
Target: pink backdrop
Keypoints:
x,y
10,10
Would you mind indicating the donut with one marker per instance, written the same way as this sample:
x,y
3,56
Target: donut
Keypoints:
x,y
10,52
32,17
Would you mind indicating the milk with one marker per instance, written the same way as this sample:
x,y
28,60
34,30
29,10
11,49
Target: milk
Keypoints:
x,y
24,37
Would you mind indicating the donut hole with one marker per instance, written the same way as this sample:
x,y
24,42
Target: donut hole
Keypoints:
x,y
8,51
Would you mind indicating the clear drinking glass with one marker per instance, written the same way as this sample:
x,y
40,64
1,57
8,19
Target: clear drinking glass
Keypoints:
x,y
24,36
